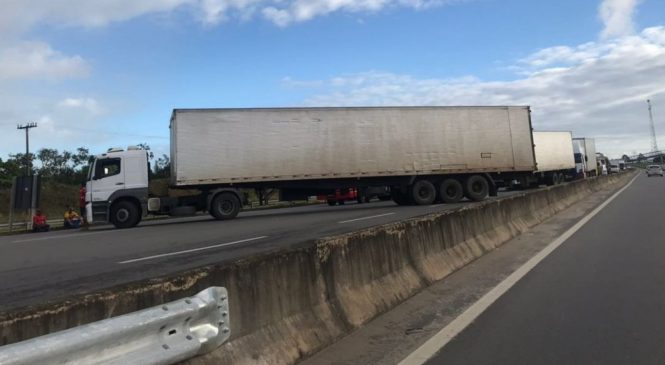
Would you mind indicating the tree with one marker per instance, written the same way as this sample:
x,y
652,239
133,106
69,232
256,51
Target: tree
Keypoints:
x,y
641,157
162,167
9,169
19,159
55,164
82,157
146,147
625,158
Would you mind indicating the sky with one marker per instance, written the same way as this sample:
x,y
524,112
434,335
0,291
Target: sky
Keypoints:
x,y
109,72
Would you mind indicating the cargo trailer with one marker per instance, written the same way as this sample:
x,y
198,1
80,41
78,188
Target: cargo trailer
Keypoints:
x,y
555,160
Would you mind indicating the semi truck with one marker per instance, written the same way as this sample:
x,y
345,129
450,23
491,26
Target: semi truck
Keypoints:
x,y
585,157
555,160
424,154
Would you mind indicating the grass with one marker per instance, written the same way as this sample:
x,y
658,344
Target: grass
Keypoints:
x,y
55,198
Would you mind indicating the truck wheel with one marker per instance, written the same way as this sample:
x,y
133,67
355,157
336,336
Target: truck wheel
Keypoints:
x,y
340,202
556,179
399,197
451,191
331,202
225,206
476,188
125,214
551,179
423,192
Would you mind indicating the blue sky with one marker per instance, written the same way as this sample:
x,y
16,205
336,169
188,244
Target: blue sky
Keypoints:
x,y
108,73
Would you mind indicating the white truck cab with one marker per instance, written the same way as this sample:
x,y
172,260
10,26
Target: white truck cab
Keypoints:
x,y
117,187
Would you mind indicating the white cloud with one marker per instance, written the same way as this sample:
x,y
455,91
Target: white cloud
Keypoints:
x,y
600,91
617,16
284,13
18,16
88,104
29,60
21,15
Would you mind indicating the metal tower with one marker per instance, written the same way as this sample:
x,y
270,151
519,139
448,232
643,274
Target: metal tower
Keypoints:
x,y
654,143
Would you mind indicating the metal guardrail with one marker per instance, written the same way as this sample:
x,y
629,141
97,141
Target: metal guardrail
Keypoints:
x,y
165,334
51,222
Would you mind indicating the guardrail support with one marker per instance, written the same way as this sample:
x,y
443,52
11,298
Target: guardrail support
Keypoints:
x,y
165,334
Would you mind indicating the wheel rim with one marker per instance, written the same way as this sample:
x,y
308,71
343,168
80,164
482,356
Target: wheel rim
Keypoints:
x,y
122,215
451,192
226,207
477,187
424,193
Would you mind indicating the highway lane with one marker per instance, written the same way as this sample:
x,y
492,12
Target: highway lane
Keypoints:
x,y
597,299
38,267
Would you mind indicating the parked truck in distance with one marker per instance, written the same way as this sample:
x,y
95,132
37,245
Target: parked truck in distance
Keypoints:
x,y
555,160
424,154
585,157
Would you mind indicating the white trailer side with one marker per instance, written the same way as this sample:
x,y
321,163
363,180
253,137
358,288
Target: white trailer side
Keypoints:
x,y
554,151
236,146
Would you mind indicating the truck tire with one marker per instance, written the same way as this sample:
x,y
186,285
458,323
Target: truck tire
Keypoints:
x,y
551,179
341,202
399,197
562,178
423,192
556,180
125,214
476,188
451,191
225,206
331,202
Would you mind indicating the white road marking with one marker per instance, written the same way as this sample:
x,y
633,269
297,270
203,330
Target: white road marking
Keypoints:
x,y
192,250
363,218
59,236
441,339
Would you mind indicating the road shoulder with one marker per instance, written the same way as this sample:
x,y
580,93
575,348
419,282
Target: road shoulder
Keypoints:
x,y
395,334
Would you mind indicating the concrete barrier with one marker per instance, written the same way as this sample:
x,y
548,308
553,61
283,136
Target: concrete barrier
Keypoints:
x,y
288,305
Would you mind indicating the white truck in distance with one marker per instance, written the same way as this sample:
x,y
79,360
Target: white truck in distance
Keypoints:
x,y
555,160
425,154
585,157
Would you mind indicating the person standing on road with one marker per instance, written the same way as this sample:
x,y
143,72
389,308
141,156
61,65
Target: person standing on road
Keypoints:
x,y
82,192
82,200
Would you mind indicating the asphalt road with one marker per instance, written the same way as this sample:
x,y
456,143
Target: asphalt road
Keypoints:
x,y
597,299
40,267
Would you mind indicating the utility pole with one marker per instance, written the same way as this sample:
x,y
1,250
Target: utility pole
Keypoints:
x,y
654,143
28,164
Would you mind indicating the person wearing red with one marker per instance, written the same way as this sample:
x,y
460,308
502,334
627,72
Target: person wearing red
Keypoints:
x,y
82,200
39,222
